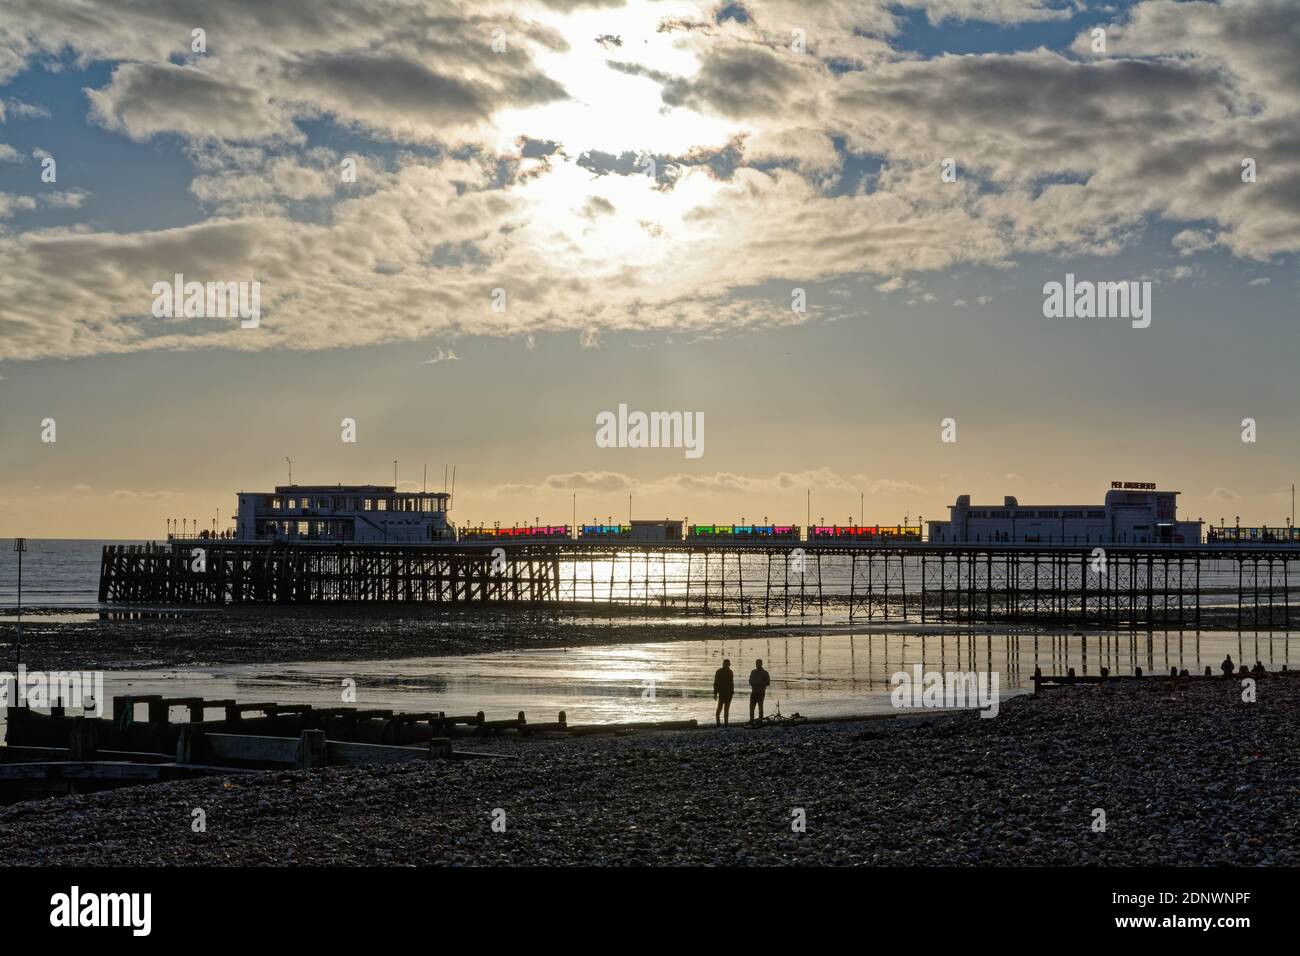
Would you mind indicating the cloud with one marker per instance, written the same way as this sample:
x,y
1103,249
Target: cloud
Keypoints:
x,y
1191,241
410,99
475,167
142,495
143,100
442,355
718,483
22,110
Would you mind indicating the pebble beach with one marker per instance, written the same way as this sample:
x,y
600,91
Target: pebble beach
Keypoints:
x,y
1184,772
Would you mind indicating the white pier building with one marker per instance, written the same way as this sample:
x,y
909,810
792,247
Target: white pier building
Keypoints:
x,y
1133,513
360,514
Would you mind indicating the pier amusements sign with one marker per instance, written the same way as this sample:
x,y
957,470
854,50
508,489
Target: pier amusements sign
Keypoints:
x,y
1134,485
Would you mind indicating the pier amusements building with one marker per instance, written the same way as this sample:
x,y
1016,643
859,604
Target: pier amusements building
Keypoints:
x,y
1133,513
360,514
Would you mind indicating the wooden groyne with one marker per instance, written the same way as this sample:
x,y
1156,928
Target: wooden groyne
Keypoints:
x,y
1070,678
58,752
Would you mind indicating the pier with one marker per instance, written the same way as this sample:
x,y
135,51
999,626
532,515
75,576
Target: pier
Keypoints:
x,y
1059,584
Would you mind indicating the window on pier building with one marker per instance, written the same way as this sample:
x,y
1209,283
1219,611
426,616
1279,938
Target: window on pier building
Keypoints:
x,y
293,504
382,504
275,504
367,504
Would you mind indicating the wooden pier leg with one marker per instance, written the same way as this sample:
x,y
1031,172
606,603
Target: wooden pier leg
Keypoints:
x,y
853,583
902,581
1241,564
943,588
767,590
821,600
988,584
803,595
1286,593
740,580
871,574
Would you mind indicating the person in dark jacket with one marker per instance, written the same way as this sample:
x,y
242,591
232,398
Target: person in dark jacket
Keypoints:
x,y
1227,666
724,687
758,681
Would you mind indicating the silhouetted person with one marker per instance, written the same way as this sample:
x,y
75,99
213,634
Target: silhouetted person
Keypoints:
x,y
1227,666
758,681
724,687
1258,669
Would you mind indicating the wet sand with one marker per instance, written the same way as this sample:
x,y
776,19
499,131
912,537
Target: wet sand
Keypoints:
x,y
58,640
66,640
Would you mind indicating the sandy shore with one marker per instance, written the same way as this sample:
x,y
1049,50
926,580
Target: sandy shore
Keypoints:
x,y
1185,772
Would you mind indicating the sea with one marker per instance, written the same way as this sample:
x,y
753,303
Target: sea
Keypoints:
x,y
820,666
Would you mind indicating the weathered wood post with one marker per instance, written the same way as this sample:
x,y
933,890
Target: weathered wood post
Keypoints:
x,y
81,738
187,742
312,751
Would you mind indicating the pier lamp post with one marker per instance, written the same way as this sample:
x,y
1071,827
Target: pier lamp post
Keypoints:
x,y
20,545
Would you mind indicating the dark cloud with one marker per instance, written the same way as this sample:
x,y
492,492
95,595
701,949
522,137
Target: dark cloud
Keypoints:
x,y
387,92
144,99
734,81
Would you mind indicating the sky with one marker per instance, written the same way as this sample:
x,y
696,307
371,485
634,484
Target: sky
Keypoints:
x,y
825,227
